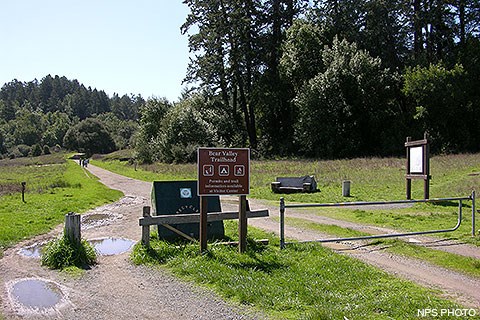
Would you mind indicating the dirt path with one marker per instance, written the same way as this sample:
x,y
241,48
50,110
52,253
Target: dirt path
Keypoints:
x,y
114,289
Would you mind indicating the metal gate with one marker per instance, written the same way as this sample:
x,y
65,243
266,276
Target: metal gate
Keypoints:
x,y
284,206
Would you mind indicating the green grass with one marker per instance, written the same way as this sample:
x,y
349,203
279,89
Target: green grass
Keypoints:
x,y
323,228
300,282
51,192
62,253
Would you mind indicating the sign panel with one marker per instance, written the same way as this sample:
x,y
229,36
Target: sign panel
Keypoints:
x,y
416,160
223,171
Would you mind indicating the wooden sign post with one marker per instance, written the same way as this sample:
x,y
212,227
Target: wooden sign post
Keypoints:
x,y
224,171
418,165
203,223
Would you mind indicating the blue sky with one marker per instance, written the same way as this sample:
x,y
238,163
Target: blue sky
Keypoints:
x,y
121,46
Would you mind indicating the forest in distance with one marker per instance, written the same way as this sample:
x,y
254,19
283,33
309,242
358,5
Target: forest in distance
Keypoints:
x,y
323,79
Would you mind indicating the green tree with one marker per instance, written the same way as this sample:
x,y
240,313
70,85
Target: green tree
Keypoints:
x,y
442,106
302,53
238,46
7,111
36,150
125,107
151,117
26,128
57,125
89,136
349,109
182,131
120,130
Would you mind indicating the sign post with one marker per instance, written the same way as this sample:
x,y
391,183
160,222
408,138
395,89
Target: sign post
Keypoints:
x,y
203,223
224,171
418,165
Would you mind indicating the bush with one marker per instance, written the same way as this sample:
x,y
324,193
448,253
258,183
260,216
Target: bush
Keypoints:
x,y
46,150
36,151
19,151
62,253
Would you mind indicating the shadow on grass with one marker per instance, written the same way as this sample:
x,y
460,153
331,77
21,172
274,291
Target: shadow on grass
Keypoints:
x,y
258,257
446,204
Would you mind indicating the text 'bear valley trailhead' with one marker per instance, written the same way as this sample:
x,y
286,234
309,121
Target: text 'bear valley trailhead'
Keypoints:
x,y
223,171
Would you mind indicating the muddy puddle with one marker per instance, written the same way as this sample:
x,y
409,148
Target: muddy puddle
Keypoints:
x,y
33,295
98,219
111,246
32,251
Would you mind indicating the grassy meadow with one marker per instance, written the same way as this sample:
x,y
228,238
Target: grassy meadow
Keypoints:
x,y
54,187
371,178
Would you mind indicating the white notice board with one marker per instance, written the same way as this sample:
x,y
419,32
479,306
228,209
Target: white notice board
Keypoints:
x,y
416,160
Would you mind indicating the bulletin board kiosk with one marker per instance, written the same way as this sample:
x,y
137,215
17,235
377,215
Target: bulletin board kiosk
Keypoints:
x,y
418,165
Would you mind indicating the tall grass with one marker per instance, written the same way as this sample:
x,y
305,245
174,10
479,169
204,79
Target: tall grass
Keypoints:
x,y
372,178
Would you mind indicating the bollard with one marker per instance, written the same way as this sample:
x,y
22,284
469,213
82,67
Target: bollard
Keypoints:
x,y
282,223
346,188
72,228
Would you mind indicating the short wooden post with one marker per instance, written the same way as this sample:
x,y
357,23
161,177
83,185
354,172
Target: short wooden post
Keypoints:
x,y
203,223
146,229
23,191
242,224
72,227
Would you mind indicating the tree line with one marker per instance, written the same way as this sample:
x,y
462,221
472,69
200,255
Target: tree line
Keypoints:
x,y
331,78
58,113
319,78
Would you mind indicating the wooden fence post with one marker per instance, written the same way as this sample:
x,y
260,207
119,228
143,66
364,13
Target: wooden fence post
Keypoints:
x,y
146,229
72,228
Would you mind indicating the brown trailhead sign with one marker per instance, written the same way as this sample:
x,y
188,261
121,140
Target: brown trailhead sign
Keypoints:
x,y
223,171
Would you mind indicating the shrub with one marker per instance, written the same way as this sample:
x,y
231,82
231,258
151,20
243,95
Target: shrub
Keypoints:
x,y
62,253
46,149
19,151
36,150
